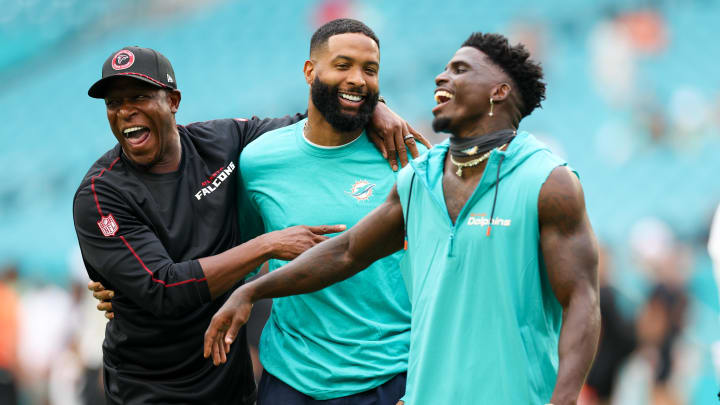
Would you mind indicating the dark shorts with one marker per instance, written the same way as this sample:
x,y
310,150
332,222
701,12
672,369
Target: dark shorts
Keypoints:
x,y
272,391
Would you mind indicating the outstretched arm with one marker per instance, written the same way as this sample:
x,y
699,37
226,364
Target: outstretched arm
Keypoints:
x,y
127,256
223,270
570,251
378,235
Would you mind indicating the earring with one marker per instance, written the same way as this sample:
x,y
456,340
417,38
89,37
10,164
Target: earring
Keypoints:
x,y
491,107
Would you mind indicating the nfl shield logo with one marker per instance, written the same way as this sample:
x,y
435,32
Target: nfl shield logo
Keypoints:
x,y
107,225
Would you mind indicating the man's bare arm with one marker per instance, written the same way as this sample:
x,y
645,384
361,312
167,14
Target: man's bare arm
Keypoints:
x,y
378,235
374,237
225,269
570,251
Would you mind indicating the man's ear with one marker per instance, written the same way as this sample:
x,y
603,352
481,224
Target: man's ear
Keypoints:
x,y
500,92
174,97
309,71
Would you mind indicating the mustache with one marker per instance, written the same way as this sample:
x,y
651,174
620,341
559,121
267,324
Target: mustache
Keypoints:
x,y
356,90
325,97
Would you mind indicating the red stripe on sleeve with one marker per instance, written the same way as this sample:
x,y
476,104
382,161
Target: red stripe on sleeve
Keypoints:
x,y
92,184
152,276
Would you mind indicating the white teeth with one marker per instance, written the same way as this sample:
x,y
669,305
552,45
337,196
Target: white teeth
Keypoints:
x,y
351,97
444,94
128,130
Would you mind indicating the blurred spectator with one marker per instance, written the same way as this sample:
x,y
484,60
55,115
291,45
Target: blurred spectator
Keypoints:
x,y
65,377
85,349
8,335
60,341
652,120
75,373
690,113
658,253
714,251
328,10
647,378
613,62
533,33
89,336
714,242
44,332
617,339
646,30
615,44
652,374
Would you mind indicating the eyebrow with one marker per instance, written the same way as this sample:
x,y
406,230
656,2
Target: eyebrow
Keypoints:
x,y
457,62
353,60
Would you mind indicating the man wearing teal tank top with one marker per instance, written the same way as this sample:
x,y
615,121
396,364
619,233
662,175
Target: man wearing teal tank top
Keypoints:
x,y
501,256
348,343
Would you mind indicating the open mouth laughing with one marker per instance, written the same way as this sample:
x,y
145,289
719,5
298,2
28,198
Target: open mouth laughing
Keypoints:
x,y
136,135
442,97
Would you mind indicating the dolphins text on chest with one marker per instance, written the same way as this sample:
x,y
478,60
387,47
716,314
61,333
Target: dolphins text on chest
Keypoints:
x,y
482,220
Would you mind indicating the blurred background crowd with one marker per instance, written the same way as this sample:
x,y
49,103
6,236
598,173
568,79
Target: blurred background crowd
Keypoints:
x,y
633,103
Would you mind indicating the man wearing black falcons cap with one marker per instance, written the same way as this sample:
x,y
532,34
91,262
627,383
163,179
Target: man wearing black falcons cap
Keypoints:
x,y
148,66
157,224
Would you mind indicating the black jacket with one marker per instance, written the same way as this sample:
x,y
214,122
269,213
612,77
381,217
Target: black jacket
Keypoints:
x,y
141,235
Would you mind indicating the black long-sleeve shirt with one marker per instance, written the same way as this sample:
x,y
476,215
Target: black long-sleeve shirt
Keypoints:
x,y
141,235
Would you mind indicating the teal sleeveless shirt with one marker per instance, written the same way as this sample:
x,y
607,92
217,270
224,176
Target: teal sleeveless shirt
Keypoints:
x,y
485,321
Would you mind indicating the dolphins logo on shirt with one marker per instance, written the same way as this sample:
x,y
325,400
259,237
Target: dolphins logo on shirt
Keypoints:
x,y
361,190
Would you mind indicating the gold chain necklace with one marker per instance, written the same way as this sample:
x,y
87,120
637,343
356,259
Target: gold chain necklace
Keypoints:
x,y
471,163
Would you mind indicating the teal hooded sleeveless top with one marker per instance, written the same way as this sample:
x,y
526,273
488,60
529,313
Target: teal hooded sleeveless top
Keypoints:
x,y
485,321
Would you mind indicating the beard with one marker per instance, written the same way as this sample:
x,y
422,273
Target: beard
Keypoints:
x,y
441,124
325,98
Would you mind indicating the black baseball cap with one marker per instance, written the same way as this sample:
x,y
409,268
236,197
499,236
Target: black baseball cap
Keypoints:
x,y
143,64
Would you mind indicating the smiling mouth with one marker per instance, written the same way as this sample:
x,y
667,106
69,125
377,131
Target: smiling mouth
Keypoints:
x,y
136,135
443,96
353,98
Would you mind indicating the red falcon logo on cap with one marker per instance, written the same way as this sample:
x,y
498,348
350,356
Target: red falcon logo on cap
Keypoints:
x,y
123,60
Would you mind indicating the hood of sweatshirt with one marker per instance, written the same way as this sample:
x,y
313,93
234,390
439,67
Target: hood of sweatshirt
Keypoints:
x,y
429,167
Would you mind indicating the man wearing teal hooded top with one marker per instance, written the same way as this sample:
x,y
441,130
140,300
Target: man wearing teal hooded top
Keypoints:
x,y
502,272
